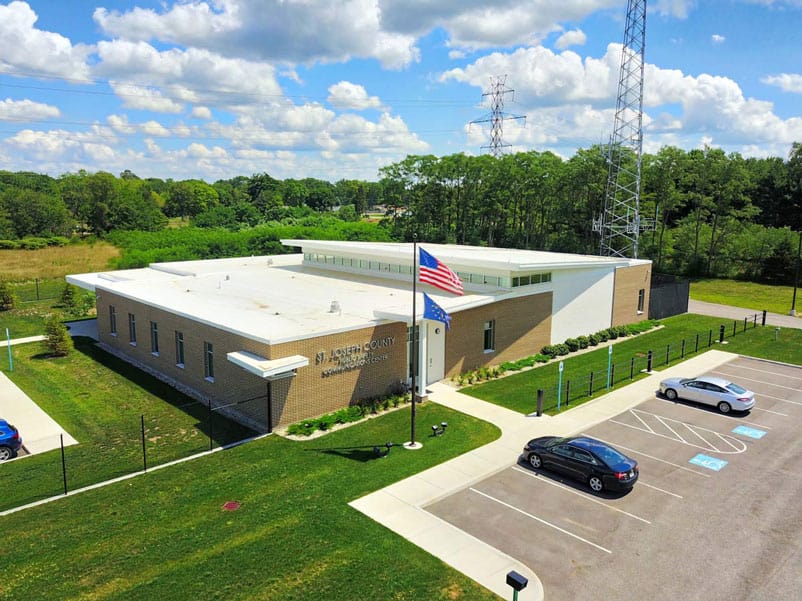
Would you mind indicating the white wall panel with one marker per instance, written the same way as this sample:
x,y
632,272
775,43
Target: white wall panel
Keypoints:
x,y
582,302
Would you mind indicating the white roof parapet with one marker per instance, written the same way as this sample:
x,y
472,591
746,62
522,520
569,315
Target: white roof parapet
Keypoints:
x,y
267,368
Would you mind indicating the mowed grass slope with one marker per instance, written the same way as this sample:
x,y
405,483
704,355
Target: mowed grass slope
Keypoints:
x,y
749,295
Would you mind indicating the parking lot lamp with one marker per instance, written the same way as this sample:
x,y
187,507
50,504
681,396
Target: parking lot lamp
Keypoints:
x,y
517,582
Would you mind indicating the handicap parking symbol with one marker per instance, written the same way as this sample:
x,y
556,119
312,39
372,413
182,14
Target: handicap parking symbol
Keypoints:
x,y
711,463
750,432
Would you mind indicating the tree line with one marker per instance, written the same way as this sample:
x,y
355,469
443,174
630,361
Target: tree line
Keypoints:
x,y
708,213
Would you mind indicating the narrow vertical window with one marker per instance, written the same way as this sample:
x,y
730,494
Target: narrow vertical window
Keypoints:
x,y
132,329
179,349
208,360
112,320
641,299
154,338
490,335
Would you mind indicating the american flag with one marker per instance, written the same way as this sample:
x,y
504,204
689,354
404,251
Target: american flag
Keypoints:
x,y
433,272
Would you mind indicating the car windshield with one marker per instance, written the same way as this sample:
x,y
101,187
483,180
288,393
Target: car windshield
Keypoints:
x,y
735,388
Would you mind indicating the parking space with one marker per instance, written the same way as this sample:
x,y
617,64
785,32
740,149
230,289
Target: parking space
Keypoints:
x,y
715,514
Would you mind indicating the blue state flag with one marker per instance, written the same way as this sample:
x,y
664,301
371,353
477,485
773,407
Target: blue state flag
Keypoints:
x,y
431,310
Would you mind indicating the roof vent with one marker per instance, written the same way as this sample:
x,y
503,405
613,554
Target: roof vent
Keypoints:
x,y
335,307
270,261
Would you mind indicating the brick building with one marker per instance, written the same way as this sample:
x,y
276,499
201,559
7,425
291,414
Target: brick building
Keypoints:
x,y
308,333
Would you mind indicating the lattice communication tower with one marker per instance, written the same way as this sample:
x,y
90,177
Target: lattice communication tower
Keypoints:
x,y
620,223
497,116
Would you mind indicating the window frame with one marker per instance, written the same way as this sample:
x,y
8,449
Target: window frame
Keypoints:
x,y
132,329
154,338
208,361
179,349
489,336
113,320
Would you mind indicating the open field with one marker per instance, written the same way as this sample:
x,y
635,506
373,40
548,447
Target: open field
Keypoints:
x,y
748,295
55,261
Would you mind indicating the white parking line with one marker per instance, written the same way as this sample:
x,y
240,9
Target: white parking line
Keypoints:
x,y
776,398
584,496
763,371
668,492
756,408
682,467
721,373
707,411
542,521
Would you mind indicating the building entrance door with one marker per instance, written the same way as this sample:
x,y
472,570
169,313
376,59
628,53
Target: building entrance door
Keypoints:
x,y
435,351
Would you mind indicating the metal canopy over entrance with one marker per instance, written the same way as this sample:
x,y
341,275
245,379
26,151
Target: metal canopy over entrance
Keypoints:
x,y
271,369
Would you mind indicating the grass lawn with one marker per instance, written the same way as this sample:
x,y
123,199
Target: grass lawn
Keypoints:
x,y
164,535
54,262
749,295
519,391
100,401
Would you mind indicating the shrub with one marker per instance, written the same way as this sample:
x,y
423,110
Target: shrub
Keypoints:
x,y
542,358
9,245
325,422
301,429
572,344
562,349
583,341
8,300
550,350
594,339
603,335
612,333
57,342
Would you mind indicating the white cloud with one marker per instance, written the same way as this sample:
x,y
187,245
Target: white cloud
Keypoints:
x,y
26,110
674,8
201,112
28,50
575,37
347,95
308,31
788,82
145,99
717,39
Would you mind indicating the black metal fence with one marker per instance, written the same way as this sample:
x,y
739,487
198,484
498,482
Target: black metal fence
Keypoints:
x,y
668,296
578,386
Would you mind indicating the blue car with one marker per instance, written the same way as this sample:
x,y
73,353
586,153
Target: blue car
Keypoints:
x,y
10,441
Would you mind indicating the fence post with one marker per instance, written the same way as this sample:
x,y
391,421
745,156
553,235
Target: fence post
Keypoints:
x,y
745,324
144,448
560,385
763,322
696,349
63,463
590,387
567,392
721,334
682,354
709,338
668,352
649,362
210,424
632,368
37,289
734,325
539,402
612,376
754,321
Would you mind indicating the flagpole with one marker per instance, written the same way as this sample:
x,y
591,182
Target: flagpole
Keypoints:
x,y
412,443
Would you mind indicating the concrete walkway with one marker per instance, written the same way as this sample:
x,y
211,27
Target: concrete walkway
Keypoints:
x,y
401,507
738,313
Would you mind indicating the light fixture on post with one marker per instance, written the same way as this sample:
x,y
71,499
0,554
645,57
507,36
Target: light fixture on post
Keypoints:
x,y
517,582
439,430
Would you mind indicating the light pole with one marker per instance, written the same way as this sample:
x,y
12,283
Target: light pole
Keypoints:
x,y
796,274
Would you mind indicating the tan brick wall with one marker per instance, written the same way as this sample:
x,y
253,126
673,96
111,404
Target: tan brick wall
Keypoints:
x,y
523,327
628,282
308,394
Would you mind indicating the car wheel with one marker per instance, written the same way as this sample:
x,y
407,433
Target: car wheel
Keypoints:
x,y
596,484
671,394
6,453
535,461
724,407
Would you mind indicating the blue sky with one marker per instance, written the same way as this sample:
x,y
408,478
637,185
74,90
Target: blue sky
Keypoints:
x,y
212,89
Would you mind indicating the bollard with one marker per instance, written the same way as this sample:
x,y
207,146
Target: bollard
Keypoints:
x,y
763,322
649,362
539,402
721,334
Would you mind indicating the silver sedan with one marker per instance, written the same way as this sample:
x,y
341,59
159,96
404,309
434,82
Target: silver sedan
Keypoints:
x,y
709,390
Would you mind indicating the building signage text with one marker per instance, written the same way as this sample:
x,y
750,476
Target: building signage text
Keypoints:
x,y
354,356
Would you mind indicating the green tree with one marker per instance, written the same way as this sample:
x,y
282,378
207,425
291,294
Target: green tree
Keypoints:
x,y
32,213
57,339
69,299
8,300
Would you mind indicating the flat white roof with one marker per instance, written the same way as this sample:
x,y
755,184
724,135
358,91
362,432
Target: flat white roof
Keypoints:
x,y
278,299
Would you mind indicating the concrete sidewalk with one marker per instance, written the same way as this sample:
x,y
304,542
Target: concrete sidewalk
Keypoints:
x,y
401,506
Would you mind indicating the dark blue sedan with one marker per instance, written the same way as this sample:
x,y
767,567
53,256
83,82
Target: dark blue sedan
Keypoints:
x,y
10,441
585,459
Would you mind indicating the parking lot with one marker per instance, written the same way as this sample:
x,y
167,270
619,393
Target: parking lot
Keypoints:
x,y
716,514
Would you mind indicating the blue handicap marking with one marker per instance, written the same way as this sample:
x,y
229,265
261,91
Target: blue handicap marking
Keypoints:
x,y
750,432
710,463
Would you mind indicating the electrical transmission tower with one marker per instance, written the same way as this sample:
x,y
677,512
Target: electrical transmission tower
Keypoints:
x,y
497,115
620,223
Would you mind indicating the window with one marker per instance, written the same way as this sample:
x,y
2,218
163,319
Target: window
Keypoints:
x,y
154,338
208,361
112,320
179,349
641,299
132,329
490,336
